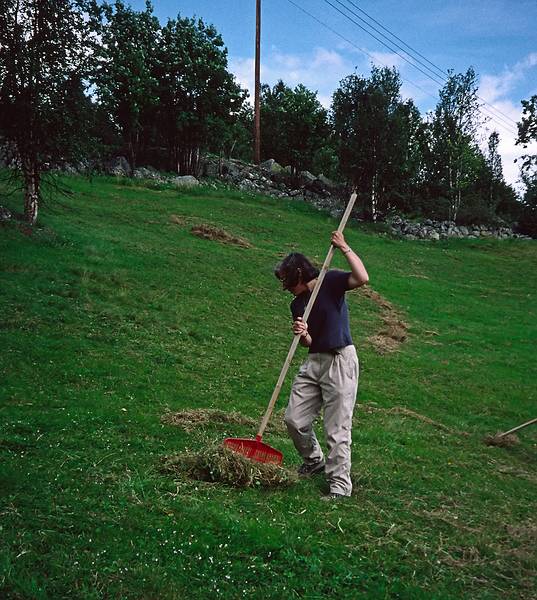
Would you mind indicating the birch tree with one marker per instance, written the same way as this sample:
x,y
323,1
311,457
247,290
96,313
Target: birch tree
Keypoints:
x,y
454,127
45,53
376,132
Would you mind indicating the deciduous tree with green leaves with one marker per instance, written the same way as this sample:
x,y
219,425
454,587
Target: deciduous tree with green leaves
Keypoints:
x,y
454,127
197,95
124,75
294,125
376,135
495,172
527,134
46,48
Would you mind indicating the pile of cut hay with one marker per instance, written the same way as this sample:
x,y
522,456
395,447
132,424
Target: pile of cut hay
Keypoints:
x,y
209,232
501,440
217,464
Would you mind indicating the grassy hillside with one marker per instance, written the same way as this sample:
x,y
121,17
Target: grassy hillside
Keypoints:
x,y
113,313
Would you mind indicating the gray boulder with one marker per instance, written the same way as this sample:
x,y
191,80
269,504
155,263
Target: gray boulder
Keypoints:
x,y
118,166
327,182
307,177
5,214
185,181
231,169
146,173
271,166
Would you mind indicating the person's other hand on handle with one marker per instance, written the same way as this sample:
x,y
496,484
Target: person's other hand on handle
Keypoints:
x,y
301,328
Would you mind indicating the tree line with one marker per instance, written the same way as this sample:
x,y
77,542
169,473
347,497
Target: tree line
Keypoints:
x,y
84,79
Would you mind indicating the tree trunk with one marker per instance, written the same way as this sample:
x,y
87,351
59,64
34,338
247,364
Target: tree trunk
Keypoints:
x,y
451,194
374,199
31,191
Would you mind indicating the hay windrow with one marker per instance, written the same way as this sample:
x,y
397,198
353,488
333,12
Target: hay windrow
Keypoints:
x,y
217,464
209,232
191,419
395,330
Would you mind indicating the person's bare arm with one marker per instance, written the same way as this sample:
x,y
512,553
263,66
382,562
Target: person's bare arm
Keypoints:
x,y
358,274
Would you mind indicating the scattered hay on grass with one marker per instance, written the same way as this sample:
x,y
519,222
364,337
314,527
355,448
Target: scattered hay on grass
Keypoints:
x,y
188,420
516,472
217,464
178,219
401,410
395,331
502,441
191,419
209,232
383,344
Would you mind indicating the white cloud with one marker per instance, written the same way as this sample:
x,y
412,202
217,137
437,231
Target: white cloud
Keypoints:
x,y
497,92
321,70
387,59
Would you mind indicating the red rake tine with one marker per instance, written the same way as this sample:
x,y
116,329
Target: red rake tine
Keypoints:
x,y
254,450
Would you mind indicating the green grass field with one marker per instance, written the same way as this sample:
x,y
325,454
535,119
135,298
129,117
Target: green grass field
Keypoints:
x,y
112,315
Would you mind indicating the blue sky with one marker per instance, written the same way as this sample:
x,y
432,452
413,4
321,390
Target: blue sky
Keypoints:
x,y
497,37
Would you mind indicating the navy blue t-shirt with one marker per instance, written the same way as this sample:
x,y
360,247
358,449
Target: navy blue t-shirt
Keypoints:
x,y
328,323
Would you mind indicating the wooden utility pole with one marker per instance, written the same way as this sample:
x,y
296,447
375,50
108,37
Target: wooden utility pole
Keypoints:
x,y
257,103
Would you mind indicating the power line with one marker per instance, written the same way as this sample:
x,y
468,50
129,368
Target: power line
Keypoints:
x,y
502,117
376,38
439,69
442,72
375,59
334,31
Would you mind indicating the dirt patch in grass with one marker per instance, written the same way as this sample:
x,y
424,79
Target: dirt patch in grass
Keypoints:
x,y
217,464
395,330
522,544
189,420
209,232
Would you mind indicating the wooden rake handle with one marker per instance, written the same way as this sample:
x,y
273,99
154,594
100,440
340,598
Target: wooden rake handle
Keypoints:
x,y
519,427
307,312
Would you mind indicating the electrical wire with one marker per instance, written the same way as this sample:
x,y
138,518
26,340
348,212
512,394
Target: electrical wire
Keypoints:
x,y
375,59
384,43
414,51
487,112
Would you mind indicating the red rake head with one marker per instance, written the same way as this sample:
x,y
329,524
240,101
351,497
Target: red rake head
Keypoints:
x,y
254,450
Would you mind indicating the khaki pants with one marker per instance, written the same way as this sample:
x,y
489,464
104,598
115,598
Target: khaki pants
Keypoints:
x,y
330,381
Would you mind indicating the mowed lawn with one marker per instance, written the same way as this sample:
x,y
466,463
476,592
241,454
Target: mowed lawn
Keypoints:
x,y
112,313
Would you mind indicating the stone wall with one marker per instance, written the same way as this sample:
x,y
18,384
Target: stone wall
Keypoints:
x,y
442,230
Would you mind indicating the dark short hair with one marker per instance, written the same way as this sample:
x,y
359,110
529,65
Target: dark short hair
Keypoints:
x,y
295,267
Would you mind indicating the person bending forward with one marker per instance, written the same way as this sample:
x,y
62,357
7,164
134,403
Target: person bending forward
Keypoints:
x,y
329,378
